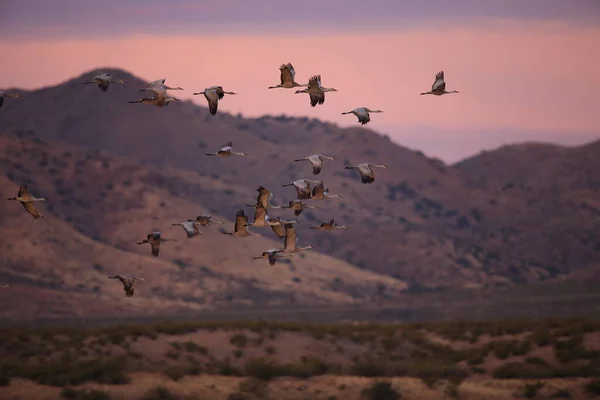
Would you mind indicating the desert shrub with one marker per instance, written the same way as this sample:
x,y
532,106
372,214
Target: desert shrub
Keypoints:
x,y
262,369
561,394
536,361
516,370
475,359
593,387
452,391
109,371
368,368
4,380
254,386
84,394
504,349
176,372
270,350
239,340
238,353
530,390
541,337
390,343
431,371
224,368
380,391
159,393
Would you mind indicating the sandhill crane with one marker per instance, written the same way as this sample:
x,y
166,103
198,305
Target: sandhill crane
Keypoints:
x,y
272,255
103,81
303,187
27,200
158,86
260,216
3,95
366,171
155,239
277,225
329,226
160,100
287,77
205,220
239,229
439,86
190,228
264,198
291,240
213,94
316,160
226,151
298,206
319,192
363,114
128,281
316,91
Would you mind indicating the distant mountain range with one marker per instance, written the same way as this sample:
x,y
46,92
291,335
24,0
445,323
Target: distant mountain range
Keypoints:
x,y
114,171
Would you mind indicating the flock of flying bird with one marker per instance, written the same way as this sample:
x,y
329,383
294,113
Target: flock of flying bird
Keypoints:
x,y
305,188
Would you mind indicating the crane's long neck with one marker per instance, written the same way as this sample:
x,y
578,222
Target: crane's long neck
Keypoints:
x,y
426,93
238,154
453,91
304,248
38,199
332,195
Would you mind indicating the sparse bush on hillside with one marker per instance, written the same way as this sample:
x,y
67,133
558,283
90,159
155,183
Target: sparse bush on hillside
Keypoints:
x,y
516,370
530,390
239,340
84,394
593,387
380,391
109,371
159,393
254,386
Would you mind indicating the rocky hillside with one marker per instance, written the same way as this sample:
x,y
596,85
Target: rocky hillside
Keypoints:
x,y
99,207
422,222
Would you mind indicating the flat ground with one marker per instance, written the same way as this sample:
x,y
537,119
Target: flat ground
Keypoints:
x,y
240,360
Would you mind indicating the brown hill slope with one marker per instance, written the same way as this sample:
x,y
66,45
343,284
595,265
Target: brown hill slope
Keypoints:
x,y
421,221
550,197
99,207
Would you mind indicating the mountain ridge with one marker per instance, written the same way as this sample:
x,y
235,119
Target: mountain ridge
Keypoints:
x,y
422,222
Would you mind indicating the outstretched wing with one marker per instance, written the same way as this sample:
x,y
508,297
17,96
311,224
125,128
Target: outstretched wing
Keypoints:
x,y
240,221
439,83
279,230
263,196
32,210
155,246
103,85
119,277
259,213
191,229
314,82
23,191
287,73
318,190
317,98
290,236
227,147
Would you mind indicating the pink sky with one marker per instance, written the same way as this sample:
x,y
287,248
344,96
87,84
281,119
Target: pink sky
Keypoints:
x,y
531,77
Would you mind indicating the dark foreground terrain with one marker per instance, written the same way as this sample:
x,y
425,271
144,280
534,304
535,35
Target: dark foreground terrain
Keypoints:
x,y
245,360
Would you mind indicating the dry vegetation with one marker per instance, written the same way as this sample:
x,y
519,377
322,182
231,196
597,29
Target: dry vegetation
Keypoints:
x,y
248,360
